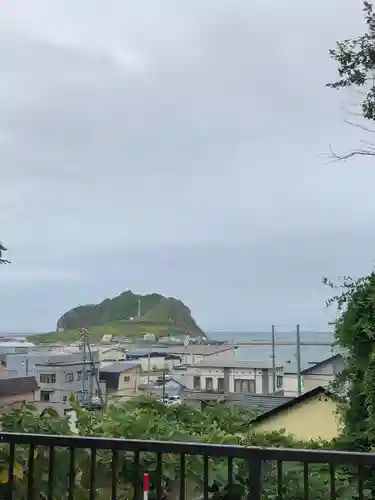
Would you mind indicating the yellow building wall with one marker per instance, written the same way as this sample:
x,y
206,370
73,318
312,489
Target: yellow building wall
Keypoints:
x,y
315,418
129,380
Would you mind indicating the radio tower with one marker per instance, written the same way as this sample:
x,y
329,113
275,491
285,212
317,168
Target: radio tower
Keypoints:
x,y
92,397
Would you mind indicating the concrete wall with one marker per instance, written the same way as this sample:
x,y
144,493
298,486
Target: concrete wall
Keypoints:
x,y
316,418
312,381
290,384
15,401
129,380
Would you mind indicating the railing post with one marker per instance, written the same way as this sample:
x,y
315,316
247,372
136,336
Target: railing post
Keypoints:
x,y
255,475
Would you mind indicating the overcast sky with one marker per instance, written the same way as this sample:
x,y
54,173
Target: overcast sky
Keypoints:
x,y
179,148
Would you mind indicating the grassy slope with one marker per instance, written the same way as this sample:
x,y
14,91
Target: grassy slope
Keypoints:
x,y
162,316
129,329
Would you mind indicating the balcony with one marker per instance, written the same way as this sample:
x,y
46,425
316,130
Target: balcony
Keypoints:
x,y
56,467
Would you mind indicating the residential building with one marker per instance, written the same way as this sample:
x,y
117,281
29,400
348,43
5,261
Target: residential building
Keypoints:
x,y
60,376
15,346
322,373
169,357
259,403
15,391
151,359
167,387
313,415
24,363
226,375
4,371
122,377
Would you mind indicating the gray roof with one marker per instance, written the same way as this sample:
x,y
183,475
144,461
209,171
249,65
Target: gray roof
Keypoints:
x,y
204,350
17,385
262,402
123,366
67,363
319,364
230,362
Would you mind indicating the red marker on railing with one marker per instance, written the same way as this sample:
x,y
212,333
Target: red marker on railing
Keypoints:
x,y
145,486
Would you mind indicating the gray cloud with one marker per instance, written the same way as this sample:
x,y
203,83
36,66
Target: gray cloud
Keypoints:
x,y
177,148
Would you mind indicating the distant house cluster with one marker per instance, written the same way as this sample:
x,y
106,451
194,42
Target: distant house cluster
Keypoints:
x,y
48,376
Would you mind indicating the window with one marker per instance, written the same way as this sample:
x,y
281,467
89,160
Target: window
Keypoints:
x,y
65,398
197,382
126,378
79,376
279,381
45,396
47,378
209,384
237,385
220,385
69,377
244,385
79,395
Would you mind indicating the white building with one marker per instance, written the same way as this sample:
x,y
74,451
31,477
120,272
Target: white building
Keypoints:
x,y
290,386
60,376
233,376
168,357
192,354
21,346
24,364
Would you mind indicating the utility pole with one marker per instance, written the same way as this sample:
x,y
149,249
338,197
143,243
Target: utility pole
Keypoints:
x,y
299,378
149,365
83,375
139,308
163,388
273,361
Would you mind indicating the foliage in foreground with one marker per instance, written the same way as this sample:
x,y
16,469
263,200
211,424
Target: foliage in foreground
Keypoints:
x,y
356,63
2,250
150,419
355,332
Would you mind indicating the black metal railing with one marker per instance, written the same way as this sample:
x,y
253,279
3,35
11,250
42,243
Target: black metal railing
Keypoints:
x,y
69,467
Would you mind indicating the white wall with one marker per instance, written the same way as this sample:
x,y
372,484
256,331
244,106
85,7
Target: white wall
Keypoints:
x,y
312,381
290,384
216,373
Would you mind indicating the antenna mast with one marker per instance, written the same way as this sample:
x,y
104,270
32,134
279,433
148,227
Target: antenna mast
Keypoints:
x,y
88,393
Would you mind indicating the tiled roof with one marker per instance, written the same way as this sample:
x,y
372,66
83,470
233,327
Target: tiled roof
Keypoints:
x,y
17,385
262,402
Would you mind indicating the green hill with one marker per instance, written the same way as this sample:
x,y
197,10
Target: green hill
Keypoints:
x,y
120,316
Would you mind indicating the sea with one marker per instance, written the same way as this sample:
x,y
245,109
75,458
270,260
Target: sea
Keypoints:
x,y
284,354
